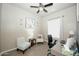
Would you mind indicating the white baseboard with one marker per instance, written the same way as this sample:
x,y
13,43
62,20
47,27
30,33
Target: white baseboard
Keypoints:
x,y
7,51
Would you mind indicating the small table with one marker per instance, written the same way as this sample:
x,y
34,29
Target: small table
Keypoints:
x,y
33,41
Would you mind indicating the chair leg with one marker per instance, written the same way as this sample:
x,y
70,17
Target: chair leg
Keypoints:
x,y
17,49
23,51
42,42
49,52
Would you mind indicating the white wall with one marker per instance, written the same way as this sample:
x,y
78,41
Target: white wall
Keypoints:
x,y
44,28
69,20
78,10
0,27
38,28
10,25
78,21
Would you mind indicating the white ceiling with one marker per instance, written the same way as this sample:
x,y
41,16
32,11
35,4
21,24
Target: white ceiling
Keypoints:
x,y
55,7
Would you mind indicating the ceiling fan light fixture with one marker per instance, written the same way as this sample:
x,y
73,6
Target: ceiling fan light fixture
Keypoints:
x,y
41,9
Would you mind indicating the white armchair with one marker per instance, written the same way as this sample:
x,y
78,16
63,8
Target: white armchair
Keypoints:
x,y
40,39
22,44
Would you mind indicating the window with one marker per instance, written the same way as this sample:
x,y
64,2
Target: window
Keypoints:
x,y
54,27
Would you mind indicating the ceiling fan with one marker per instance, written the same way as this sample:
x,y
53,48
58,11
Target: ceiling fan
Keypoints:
x,y
42,7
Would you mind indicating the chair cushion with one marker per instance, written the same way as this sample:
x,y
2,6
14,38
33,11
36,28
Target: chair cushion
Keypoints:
x,y
24,46
39,40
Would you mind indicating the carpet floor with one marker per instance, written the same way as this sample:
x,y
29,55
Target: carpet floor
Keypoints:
x,y
36,50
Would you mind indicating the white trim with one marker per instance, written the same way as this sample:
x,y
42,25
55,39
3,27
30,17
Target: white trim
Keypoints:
x,y
7,51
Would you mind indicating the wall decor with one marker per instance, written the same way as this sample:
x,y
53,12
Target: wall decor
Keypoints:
x,y
30,23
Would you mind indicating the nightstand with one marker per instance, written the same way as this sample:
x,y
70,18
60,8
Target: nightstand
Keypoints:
x,y
33,41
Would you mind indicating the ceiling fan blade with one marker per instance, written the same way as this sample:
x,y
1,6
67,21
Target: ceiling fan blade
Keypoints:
x,y
34,6
47,5
45,10
38,11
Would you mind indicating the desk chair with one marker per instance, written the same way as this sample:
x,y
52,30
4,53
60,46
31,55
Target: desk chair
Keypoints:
x,y
51,43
